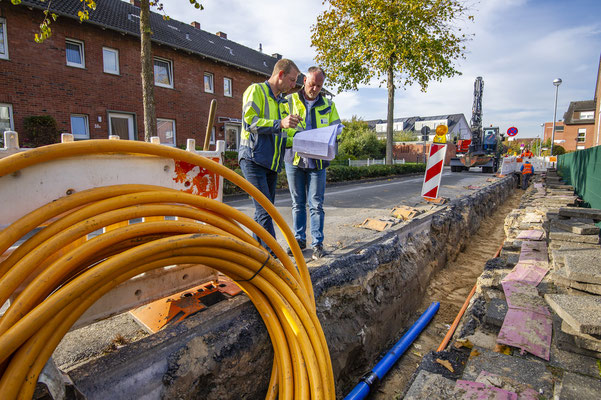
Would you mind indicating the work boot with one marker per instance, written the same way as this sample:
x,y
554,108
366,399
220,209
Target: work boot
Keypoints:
x,y
301,243
318,252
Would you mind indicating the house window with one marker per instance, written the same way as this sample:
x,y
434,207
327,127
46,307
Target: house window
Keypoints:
x,y
6,118
558,128
163,73
166,131
212,135
227,87
110,59
580,147
3,41
581,135
587,114
75,53
79,126
209,88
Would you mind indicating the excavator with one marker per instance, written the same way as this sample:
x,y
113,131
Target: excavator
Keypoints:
x,y
483,149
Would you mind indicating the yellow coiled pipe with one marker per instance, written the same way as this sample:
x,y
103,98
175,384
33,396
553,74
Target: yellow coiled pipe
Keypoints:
x,y
53,283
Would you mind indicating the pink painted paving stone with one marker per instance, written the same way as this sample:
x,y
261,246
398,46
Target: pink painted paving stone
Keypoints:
x,y
480,391
531,234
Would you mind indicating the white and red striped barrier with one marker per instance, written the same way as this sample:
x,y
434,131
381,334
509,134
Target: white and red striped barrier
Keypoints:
x,y
434,171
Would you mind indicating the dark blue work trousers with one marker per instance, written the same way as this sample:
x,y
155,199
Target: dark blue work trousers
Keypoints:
x,y
265,180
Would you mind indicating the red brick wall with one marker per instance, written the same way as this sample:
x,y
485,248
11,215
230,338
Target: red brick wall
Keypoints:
x,y
415,152
37,81
570,135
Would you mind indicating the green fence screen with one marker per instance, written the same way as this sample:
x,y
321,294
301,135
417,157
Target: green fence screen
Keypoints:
x,y
582,169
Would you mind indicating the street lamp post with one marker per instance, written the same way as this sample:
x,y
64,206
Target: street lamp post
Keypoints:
x,y
556,82
541,138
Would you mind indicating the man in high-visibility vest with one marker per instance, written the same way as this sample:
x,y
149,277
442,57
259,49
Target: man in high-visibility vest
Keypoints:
x,y
527,154
307,176
263,138
527,171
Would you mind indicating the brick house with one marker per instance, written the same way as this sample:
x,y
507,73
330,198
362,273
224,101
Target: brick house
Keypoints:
x,y
576,132
87,75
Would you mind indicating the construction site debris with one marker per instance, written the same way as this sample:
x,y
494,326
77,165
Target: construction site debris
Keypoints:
x,y
580,226
377,224
580,212
405,212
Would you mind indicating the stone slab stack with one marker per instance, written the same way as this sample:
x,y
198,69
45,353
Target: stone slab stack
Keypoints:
x,y
549,270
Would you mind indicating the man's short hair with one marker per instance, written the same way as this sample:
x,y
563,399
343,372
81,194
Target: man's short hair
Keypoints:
x,y
285,65
315,69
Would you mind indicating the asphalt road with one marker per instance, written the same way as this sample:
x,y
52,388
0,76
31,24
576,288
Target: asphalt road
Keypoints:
x,y
347,206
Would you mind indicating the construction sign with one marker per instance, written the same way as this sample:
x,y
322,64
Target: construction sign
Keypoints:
x,y
434,169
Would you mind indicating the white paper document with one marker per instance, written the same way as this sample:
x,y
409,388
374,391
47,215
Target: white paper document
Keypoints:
x,y
317,143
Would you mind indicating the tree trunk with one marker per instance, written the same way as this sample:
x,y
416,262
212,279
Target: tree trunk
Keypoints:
x,y
390,116
150,119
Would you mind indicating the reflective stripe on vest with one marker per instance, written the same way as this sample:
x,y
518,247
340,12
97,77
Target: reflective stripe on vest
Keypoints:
x,y
527,169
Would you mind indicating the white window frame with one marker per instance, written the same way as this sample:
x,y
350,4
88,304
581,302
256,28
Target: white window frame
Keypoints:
x,y
116,52
170,72
580,147
4,55
174,132
11,121
212,140
587,115
81,49
231,93
581,130
209,75
87,125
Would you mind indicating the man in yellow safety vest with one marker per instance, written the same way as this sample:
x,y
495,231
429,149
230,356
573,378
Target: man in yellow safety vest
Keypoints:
x,y
263,138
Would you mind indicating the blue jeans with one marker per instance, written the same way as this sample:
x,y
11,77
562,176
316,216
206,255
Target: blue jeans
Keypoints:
x,y
307,184
265,180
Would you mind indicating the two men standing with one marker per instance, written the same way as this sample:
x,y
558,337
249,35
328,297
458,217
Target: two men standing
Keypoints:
x,y
270,122
307,176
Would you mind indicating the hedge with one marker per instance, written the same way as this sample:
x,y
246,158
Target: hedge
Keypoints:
x,y
343,174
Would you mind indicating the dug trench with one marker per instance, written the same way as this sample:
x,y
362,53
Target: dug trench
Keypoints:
x,y
365,299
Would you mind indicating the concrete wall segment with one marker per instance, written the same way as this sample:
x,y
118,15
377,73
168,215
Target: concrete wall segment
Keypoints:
x,y
364,298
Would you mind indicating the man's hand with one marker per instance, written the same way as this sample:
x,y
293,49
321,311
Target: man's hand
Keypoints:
x,y
290,121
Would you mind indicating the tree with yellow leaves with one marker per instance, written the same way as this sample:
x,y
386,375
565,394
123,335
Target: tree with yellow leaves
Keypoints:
x,y
397,42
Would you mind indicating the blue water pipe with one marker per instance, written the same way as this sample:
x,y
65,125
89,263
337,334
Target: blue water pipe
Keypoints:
x,y
377,373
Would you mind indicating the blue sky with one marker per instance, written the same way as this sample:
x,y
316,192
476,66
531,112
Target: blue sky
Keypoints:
x,y
518,48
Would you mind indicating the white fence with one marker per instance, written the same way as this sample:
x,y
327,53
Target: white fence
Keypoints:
x,y
372,161
511,164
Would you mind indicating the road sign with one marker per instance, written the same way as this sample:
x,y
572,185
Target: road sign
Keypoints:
x,y
434,171
425,130
512,131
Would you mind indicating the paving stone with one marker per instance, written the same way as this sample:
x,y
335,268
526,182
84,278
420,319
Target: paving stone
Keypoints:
x,y
502,382
580,226
495,312
566,343
583,313
530,373
560,186
581,212
428,385
582,340
483,339
556,233
491,279
477,390
583,265
568,360
560,277
578,387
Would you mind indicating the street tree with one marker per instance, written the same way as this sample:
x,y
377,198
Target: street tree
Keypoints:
x,y
393,42
87,6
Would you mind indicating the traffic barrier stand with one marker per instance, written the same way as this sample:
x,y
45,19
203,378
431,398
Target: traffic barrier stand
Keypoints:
x,y
434,171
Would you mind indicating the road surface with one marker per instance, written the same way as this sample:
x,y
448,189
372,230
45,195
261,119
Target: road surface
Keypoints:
x,y
347,206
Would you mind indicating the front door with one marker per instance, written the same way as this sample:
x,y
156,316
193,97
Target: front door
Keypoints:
x,y
232,137
122,125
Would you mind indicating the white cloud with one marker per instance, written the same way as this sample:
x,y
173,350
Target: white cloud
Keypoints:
x,y
518,47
